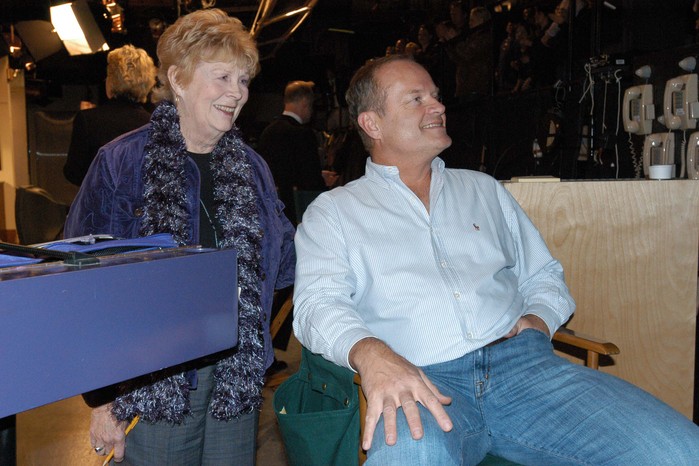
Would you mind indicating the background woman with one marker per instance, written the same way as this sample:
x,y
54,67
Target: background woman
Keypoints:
x,y
130,79
189,173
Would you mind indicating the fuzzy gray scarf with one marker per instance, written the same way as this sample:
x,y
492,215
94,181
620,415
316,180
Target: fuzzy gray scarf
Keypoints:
x,y
239,378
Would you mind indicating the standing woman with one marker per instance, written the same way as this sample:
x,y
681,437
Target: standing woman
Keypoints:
x,y
189,173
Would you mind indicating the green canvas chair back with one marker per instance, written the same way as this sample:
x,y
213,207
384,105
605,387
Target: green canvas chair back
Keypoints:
x,y
318,413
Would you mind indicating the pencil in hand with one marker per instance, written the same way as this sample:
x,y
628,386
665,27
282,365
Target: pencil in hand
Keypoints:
x,y
134,421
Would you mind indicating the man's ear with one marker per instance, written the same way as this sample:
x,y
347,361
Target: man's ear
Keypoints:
x,y
368,122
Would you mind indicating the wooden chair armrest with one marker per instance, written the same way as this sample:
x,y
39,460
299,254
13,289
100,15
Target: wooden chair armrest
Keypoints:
x,y
362,416
279,319
593,346
586,342
284,311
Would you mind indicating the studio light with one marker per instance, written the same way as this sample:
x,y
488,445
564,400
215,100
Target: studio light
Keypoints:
x,y
77,28
39,37
266,16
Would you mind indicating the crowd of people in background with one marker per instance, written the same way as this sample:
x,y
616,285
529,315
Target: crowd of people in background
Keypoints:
x,y
470,56
471,52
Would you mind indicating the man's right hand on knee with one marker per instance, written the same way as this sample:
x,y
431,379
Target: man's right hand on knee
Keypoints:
x,y
389,382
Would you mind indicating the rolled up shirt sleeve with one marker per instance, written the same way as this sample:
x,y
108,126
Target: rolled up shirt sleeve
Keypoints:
x,y
325,316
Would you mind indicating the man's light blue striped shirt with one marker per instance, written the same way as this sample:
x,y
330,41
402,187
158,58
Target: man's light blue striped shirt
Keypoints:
x,y
372,261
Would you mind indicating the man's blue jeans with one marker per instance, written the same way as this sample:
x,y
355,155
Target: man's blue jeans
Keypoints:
x,y
520,401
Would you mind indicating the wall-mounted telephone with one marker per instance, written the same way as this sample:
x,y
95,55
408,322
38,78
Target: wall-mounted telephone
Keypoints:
x,y
693,157
639,111
680,102
658,149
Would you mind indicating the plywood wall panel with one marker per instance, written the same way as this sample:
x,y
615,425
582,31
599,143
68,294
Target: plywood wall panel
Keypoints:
x,y
629,251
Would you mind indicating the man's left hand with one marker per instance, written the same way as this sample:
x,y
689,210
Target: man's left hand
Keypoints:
x,y
529,321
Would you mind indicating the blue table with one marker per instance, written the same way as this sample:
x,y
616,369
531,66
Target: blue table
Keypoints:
x,y
66,330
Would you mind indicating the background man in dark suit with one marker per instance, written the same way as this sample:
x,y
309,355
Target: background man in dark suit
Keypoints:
x,y
290,146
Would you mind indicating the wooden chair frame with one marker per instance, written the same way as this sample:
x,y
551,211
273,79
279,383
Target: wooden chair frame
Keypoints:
x,y
284,312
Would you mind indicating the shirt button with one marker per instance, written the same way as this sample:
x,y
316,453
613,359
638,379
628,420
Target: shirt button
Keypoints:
x,y
443,264
138,212
469,335
457,295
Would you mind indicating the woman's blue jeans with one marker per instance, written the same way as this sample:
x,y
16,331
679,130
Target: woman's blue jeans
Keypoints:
x,y
520,401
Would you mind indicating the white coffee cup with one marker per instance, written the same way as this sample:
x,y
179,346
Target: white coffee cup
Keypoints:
x,y
661,172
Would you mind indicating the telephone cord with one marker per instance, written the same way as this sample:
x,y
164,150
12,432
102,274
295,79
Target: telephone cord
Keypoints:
x,y
637,165
617,77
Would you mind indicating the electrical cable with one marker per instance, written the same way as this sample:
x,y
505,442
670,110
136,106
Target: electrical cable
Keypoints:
x,y
560,94
683,154
604,104
666,157
590,88
617,77
598,153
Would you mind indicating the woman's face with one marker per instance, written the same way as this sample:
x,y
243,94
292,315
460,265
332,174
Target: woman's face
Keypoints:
x,y
211,102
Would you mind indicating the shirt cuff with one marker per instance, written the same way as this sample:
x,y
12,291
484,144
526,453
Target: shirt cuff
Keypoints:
x,y
343,346
550,318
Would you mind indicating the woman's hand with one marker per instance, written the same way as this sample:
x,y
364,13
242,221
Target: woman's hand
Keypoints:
x,y
107,433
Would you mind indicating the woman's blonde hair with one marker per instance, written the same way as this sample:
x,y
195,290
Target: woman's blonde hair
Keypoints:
x,y
130,73
204,35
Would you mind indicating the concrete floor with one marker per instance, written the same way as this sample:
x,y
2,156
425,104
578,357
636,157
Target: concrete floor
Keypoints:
x,y
57,434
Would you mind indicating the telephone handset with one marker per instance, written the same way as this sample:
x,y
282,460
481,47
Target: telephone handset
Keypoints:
x,y
680,102
693,157
658,149
639,110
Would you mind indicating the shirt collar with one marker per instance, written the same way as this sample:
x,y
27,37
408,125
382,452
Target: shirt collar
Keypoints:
x,y
293,115
391,173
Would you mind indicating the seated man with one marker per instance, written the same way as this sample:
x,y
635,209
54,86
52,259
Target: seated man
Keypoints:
x,y
435,286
